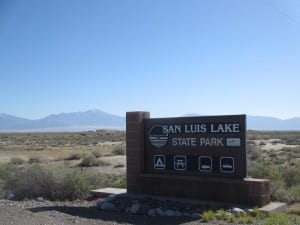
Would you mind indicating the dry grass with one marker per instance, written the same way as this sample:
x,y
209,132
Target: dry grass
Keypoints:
x,y
20,152
58,146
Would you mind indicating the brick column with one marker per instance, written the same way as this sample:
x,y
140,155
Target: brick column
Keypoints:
x,y
135,149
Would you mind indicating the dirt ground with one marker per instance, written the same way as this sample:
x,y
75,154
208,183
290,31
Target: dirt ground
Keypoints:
x,y
80,212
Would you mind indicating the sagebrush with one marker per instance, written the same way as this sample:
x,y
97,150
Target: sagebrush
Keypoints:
x,y
56,183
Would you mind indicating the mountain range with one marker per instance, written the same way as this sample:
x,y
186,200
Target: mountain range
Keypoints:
x,y
97,119
75,121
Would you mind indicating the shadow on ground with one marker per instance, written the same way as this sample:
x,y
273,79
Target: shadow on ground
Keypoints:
x,y
119,217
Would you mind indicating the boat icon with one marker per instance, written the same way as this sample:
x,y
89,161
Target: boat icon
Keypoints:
x,y
227,166
205,167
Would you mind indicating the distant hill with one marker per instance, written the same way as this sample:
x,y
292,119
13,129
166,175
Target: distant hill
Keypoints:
x,y
97,119
8,122
76,121
272,123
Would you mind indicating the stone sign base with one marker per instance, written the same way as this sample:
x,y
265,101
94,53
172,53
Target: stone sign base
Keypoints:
x,y
248,191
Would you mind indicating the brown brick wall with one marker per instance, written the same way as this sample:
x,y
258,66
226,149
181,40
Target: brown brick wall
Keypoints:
x,y
135,149
247,191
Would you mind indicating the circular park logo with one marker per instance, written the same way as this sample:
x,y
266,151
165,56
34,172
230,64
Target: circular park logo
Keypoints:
x,y
158,136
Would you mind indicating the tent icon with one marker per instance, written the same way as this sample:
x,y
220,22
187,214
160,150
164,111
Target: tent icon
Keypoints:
x,y
159,162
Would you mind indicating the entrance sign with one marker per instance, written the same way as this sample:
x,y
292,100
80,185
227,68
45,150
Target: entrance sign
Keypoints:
x,y
191,157
212,146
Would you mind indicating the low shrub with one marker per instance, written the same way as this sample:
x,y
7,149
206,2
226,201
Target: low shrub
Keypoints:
x,y
275,142
32,182
223,215
17,161
32,160
7,171
97,153
208,216
246,219
276,219
109,180
74,156
254,152
254,217
121,182
251,142
258,214
284,180
262,143
74,186
58,183
291,176
103,163
119,165
119,150
89,161
2,189
294,209
259,170
294,194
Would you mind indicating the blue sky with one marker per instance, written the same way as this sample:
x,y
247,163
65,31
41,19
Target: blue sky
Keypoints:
x,y
164,56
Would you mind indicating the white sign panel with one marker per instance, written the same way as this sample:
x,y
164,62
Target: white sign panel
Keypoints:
x,y
233,142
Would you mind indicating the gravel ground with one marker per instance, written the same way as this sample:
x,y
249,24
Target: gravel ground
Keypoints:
x,y
79,212
83,213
